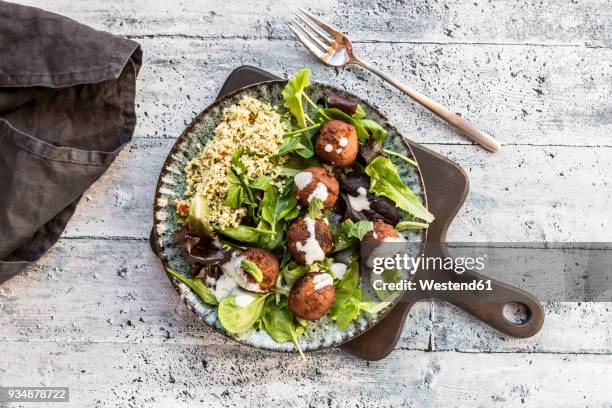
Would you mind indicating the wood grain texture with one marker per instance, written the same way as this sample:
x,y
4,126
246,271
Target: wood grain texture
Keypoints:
x,y
168,375
98,315
547,22
519,94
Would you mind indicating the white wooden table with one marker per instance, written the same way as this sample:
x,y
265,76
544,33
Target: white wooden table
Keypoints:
x,y
98,315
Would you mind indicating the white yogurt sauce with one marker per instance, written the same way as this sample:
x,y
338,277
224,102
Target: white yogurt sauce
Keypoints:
x,y
226,285
338,269
243,299
311,248
398,239
329,148
322,280
302,179
360,202
319,192
339,150
343,141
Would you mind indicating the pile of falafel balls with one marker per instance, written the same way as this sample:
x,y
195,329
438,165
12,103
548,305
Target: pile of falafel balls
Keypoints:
x,y
310,239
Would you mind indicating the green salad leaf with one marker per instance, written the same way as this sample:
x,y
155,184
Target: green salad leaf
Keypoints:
x,y
335,113
234,197
350,233
281,325
315,206
373,307
401,157
293,93
252,269
377,131
410,225
275,208
242,233
359,229
300,144
260,183
359,113
197,285
348,311
385,181
199,218
292,272
348,297
236,319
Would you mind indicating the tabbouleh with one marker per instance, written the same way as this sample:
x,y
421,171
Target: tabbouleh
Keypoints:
x,y
247,125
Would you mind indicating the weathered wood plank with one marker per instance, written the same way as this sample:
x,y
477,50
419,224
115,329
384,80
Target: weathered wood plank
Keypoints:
x,y
581,327
108,291
544,22
162,375
115,291
522,194
519,94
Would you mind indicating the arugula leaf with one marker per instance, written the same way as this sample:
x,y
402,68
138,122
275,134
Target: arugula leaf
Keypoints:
x,y
197,285
282,326
199,215
252,269
234,197
236,319
293,93
385,181
410,225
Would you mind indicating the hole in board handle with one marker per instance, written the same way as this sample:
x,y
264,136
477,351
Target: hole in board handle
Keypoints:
x,y
517,313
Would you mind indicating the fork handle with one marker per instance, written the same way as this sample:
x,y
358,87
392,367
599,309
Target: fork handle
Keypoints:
x,y
474,133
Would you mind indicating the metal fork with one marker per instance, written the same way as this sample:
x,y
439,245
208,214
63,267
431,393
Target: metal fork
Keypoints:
x,y
333,48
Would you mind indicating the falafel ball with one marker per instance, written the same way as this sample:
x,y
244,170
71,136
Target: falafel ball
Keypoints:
x,y
267,264
381,232
337,144
316,182
312,296
309,240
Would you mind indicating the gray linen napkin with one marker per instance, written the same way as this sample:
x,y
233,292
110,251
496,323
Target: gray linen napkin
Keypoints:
x,y
66,110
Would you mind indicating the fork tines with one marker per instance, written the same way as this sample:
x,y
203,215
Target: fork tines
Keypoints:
x,y
320,38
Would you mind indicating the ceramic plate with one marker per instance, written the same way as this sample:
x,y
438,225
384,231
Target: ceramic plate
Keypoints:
x,y
172,184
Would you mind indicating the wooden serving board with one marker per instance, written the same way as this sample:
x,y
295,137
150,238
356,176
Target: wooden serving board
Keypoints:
x,y
447,185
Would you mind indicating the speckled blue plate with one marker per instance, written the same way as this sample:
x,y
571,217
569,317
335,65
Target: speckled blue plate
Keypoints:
x,y
172,185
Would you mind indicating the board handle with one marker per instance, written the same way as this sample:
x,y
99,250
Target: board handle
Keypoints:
x,y
504,307
500,306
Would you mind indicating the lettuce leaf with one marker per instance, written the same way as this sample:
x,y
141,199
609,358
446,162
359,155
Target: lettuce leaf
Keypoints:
x,y
385,181
293,93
